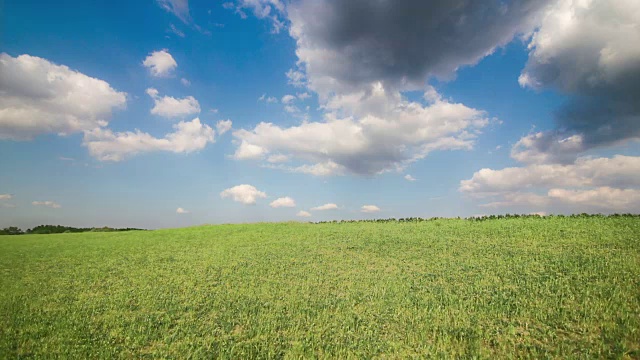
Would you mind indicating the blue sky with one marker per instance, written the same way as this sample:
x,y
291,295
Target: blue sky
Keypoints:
x,y
385,118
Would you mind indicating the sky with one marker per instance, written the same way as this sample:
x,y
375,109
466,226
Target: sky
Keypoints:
x,y
171,113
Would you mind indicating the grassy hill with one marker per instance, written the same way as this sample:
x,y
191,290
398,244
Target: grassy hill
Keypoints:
x,y
517,287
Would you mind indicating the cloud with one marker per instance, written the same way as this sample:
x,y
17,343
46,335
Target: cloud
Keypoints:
x,y
6,196
179,8
329,206
369,209
590,51
303,213
589,183
303,96
288,99
381,132
244,193
283,202
173,29
38,97
223,126
182,211
248,151
433,38
278,158
185,82
602,197
619,171
296,78
189,136
171,107
49,204
268,99
160,63
262,9
409,178
369,126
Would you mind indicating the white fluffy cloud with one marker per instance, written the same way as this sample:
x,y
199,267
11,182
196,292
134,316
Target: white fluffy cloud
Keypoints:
x,y
160,63
182,211
6,196
367,133
185,82
303,213
329,206
49,204
38,97
283,202
409,178
246,194
589,183
369,209
223,126
189,136
171,107
601,197
619,171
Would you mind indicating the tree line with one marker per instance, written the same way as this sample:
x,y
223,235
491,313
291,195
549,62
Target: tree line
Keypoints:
x,y
58,229
480,218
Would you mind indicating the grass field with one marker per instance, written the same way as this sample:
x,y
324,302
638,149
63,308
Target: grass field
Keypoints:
x,y
514,288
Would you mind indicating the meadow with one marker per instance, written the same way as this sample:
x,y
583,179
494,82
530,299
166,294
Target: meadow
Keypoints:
x,y
554,287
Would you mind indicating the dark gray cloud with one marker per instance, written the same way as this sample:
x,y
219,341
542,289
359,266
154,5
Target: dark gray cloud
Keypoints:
x,y
401,42
590,51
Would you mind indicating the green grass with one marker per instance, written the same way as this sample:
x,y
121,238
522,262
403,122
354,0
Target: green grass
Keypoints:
x,y
509,288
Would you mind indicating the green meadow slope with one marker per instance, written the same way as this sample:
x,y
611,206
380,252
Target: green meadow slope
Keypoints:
x,y
507,288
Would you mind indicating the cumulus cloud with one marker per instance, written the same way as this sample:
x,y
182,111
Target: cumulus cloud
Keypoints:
x,y
160,63
369,126
589,50
6,196
185,82
170,107
368,133
283,202
246,194
602,197
619,171
182,211
588,183
189,136
49,204
369,209
329,206
179,8
409,178
223,126
38,97
303,213
402,42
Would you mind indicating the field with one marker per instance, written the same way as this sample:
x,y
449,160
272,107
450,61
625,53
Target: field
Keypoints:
x,y
508,288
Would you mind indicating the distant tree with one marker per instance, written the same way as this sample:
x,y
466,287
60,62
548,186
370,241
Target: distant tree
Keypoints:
x,y
11,230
